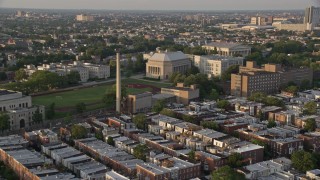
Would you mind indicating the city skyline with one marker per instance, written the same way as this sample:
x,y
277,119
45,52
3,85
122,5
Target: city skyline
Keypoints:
x,y
159,5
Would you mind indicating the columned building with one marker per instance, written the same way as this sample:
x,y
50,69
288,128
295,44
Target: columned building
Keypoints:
x,y
19,108
163,64
228,49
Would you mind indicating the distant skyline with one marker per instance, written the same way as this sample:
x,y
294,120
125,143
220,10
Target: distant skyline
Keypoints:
x,y
160,4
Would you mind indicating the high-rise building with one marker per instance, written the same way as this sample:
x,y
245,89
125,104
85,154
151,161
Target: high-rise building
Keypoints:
x,y
267,79
84,17
312,17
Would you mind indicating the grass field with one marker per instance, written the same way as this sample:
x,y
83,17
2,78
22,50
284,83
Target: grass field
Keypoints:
x,y
92,95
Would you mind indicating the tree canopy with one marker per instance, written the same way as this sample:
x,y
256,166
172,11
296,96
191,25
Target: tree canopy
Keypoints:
x,y
227,173
4,122
140,151
78,131
303,161
140,120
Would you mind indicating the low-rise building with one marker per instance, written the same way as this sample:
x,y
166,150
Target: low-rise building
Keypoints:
x,y
163,64
139,103
228,49
183,94
19,108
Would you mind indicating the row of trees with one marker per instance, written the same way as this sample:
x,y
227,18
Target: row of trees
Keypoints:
x,y
41,81
265,99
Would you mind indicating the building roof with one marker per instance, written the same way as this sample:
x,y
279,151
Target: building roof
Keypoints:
x,y
168,56
225,45
154,169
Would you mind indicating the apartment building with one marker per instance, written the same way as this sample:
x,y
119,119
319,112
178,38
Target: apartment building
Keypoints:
x,y
215,65
228,49
267,79
168,168
84,17
245,84
19,108
280,140
119,160
26,163
162,64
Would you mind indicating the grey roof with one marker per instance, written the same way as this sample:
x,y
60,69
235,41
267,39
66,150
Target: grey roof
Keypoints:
x,y
168,56
225,45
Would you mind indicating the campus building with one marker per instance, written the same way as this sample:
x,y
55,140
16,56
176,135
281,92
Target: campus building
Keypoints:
x,y
228,49
139,103
267,78
19,108
163,64
184,95
86,70
215,65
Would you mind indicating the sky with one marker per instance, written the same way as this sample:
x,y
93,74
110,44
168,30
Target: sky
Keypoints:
x,y
160,4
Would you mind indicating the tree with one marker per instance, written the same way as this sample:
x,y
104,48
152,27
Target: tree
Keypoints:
x,y
189,119
78,131
50,111
266,148
192,155
4,122
226,173
158,106
214,95
292,89
168,112
210,125
271,124
140,120
20,75
226,75
140,151
303,161
68,119
223,104
235,160
73,77
109,98
110,141
37,116
80,107
3,76
310,125
310,108
99,135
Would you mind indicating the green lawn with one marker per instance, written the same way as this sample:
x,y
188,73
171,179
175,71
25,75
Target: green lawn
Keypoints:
x,y
89,95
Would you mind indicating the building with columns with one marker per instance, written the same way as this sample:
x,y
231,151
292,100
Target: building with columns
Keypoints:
x,y
19,108
163,64
228,49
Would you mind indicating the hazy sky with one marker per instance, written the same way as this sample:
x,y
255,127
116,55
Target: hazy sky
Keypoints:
x,y
159,4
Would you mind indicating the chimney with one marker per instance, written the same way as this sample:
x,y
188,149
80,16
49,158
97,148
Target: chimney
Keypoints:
x,y
118,85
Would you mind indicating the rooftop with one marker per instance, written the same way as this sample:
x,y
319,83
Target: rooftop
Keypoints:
x,y
168,56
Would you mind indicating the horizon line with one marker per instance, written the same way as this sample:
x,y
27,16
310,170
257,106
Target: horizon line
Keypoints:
x,y
96,9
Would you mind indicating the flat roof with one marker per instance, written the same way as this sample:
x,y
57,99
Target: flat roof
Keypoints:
x,y
154,168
